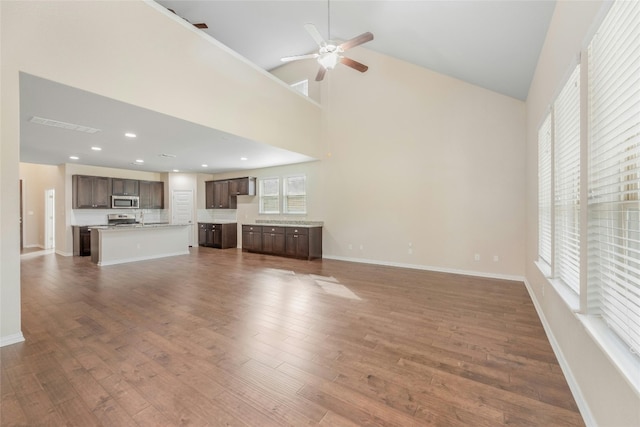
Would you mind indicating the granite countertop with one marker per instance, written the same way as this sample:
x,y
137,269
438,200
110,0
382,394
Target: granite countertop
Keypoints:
x,y
221,221
286,223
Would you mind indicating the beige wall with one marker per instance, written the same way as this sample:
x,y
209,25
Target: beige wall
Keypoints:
x,y
139,53
416,157
604,396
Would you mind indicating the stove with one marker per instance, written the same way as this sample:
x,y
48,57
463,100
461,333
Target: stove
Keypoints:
x,y
121,220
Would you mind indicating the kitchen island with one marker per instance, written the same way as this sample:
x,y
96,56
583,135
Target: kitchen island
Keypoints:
x,y
121,244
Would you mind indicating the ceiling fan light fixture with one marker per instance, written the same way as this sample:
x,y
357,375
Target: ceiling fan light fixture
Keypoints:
x,y
329,60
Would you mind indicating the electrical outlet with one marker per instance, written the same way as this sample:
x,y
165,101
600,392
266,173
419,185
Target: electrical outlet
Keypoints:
x,y
476,257
361,246
410,251
350,246
496,258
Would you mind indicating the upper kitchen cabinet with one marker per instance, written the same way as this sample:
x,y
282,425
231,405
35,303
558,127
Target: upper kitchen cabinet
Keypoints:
x,y
90,192
217,195
242,186
124,187
151,194
222,194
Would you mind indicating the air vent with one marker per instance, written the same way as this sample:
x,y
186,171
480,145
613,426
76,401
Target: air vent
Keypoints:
x,y
170,156
63,125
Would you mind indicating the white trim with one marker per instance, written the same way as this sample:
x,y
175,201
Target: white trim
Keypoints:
x,y
429,268
63,253
11,339
583,406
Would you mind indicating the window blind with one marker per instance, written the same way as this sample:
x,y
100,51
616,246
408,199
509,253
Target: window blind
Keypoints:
x,y
295,194
544,191
566,177
269,195
614,167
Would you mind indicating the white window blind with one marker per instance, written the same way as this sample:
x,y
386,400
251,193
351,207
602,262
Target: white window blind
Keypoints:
x,y
269,189
566,177
295,194
614,166
544,191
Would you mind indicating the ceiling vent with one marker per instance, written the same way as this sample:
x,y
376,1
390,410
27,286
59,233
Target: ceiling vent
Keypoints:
x,y
63,125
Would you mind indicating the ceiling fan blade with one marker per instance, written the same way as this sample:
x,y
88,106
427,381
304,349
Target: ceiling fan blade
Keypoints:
x,y
298,57
201,25
321,73
354,64
315,34
356,41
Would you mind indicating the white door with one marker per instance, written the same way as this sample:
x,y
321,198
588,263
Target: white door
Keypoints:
x,y
49,218
182,210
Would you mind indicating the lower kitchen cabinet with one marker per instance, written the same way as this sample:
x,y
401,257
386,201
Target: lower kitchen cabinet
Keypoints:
x,y
252,238
81,240
273,240
221,236
291,241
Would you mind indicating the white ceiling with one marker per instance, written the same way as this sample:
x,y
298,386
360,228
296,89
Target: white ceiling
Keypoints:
x,y
493,44
157,135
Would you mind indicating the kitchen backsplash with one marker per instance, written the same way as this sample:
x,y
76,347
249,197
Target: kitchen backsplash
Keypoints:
x,y
215,215
99,216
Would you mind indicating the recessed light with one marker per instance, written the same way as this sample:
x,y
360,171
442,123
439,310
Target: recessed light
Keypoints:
x,y
243,158
139,161
130,135
205,166
96,148
74,157
176,170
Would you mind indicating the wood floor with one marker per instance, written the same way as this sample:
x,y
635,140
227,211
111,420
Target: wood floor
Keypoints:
x,y
231,338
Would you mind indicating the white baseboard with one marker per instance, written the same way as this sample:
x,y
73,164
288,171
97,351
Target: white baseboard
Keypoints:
x,y
430,268
576,391
11,339
61,253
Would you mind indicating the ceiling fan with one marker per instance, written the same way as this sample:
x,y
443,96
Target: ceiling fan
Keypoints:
x,y
200,25
329,52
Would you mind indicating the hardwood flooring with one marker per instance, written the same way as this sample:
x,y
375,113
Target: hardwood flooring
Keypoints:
x,y
221,337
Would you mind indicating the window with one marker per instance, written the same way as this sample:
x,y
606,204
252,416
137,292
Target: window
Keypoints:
x,y
566,177
269,189
302,87
544,191
614,165
295,195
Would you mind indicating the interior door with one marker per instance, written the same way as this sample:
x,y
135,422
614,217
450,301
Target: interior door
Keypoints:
x,y
49,218
182,210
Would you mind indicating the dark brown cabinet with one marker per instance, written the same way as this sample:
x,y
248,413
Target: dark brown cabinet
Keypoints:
x,y
273,241
151,194
124,187
81,240
90,192
217,195
296,242
242,186
252,238
223,194
221,236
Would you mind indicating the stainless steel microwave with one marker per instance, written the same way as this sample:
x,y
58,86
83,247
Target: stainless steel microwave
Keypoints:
x,y
125,202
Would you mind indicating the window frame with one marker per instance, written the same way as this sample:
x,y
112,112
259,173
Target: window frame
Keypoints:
x,y
262,197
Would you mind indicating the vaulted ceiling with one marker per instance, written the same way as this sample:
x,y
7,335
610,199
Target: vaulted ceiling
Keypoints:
x,y
492,44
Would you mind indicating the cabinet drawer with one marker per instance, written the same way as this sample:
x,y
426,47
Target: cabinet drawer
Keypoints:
x,y
273,230
254,228
297,230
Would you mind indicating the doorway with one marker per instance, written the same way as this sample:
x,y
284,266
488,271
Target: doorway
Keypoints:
x,y
50,218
